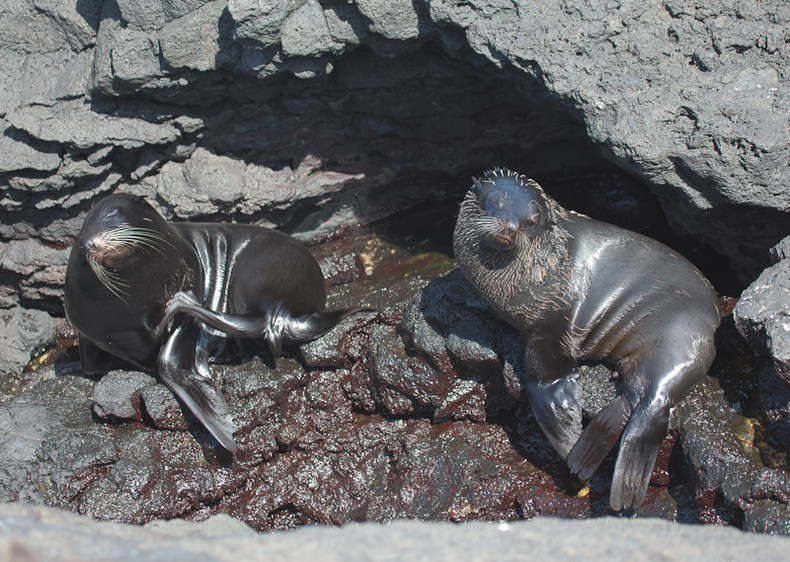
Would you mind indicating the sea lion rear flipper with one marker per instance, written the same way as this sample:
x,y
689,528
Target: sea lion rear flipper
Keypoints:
x,y
558,411
277,325
178,371
638,452
598,438
231,324
311,326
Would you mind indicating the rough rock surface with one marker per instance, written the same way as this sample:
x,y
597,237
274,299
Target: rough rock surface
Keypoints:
x,y
29,533
318,115
763,317
24,332
414,412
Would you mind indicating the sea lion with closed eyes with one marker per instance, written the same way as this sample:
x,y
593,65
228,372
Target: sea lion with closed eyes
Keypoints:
x,y
165,296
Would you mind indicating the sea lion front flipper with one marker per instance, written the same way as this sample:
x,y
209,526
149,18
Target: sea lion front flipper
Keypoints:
x,y
558,410
179,371
638,452
598,438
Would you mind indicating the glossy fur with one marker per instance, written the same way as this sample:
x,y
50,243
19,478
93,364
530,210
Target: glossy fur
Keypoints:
x,y
166,296
578,290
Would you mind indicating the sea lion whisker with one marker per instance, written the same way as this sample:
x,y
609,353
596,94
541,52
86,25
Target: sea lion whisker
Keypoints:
x,y
112,281
126,235
133,233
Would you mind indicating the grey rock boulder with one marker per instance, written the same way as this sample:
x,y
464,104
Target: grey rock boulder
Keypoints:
x,y
118,393
24,331
762,315
35,532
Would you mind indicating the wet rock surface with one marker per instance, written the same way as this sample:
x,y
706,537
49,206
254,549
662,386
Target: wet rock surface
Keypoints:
x,y
319,117
763,317
415,411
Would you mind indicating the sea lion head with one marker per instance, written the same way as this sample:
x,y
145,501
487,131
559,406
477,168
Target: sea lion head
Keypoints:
x,y
512,208
120,233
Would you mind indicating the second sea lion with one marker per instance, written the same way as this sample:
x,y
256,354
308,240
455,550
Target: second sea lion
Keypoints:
x,y
578,289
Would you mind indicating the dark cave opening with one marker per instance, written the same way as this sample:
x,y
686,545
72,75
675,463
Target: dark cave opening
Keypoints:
x,y
416,128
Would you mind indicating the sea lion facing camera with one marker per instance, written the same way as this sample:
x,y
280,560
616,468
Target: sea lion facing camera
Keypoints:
x,y
578,289
131,274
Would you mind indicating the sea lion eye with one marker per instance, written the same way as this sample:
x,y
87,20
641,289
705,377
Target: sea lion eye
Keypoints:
x,y
532,214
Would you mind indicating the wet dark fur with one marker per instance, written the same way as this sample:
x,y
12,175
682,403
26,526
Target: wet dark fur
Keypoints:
x,y
165,296
578,289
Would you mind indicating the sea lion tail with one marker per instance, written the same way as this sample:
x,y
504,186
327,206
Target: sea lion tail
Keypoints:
x,y
205,400
598,438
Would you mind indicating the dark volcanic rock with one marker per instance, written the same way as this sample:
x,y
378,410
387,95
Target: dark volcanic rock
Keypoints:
x,y
375,434
414,412
117,395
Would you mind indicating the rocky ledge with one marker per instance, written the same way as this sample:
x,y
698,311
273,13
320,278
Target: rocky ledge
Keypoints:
x,y
28,533
323,118
314,116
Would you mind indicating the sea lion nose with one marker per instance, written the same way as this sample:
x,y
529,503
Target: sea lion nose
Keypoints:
x,y
94,245
90,246
510,222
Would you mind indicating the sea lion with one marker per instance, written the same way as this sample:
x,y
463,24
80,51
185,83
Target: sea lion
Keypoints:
x,y
166,296
578,289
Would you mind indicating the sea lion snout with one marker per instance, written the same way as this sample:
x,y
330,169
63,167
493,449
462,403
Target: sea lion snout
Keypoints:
x,y
96,246
503,235
106,251
513,207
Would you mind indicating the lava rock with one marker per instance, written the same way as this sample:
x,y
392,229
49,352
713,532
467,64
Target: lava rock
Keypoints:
x,y
162,408
762,316
423,95
24,331
37,272
767,517
51,447
729,475
117,395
